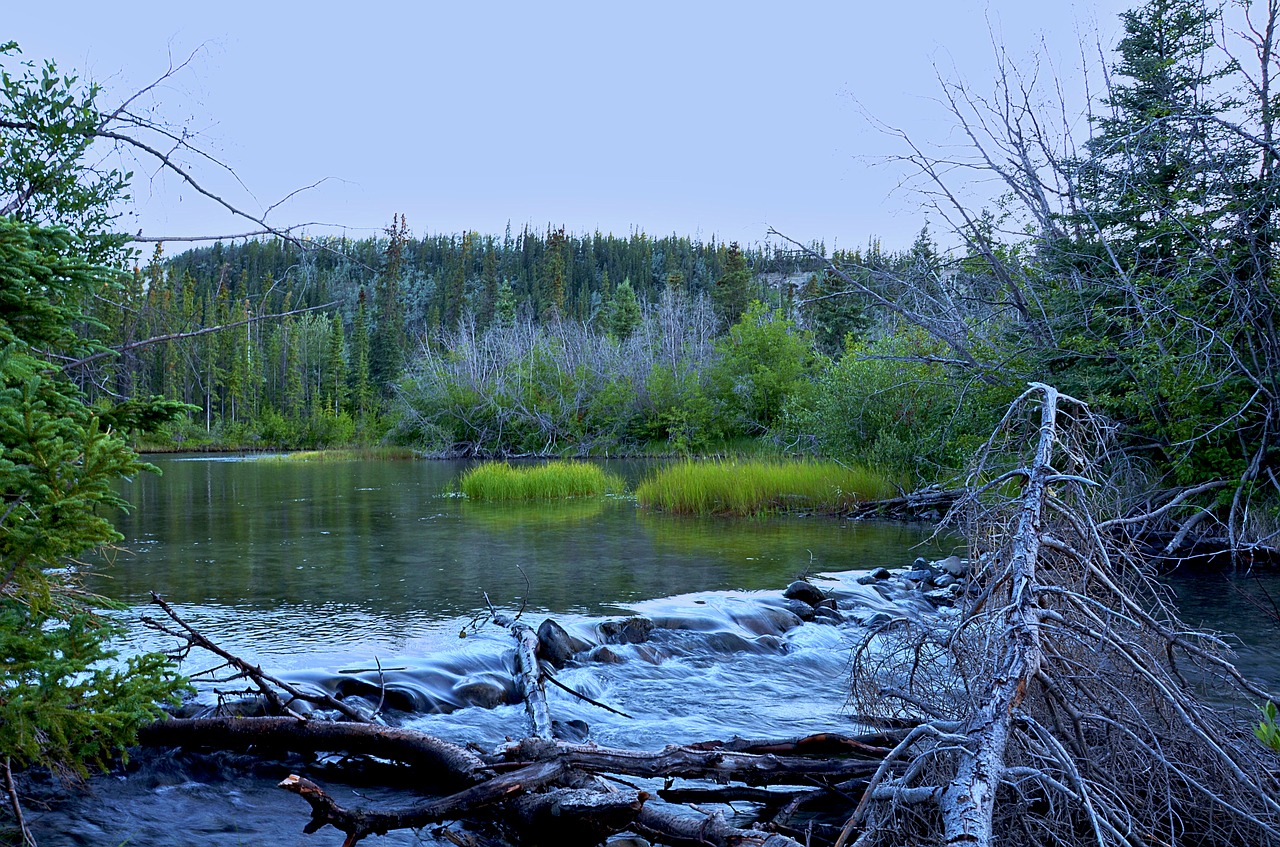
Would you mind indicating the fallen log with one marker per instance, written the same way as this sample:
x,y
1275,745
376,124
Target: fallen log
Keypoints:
x,y
528,675
671,825
683,762
360,823
446,763
579,817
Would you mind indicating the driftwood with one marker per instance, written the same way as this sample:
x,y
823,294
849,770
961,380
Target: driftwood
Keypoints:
x,y
1062,705
1059,703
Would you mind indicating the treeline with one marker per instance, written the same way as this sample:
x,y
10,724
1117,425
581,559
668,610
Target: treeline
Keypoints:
x,y
320,331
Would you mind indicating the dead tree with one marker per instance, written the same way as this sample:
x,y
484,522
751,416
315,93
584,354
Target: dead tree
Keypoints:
x,y
1064,703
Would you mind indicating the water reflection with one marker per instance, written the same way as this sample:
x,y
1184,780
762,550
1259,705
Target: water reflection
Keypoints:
x,y
341,554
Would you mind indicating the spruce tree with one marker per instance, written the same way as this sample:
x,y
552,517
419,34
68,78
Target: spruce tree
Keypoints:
x,y
387,341
732,291
65,702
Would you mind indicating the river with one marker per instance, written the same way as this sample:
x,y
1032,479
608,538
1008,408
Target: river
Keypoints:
x,y
336,572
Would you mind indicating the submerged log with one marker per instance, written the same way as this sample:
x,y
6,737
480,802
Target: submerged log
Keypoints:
x,y
445,762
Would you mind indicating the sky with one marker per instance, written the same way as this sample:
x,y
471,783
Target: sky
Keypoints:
x,y
697,118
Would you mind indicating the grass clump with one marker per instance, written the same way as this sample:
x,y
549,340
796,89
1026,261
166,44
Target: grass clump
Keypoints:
x,y
500,482
761,486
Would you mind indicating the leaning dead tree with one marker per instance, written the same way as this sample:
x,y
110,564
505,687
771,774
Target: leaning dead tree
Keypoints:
x,y
1065,703
1060,701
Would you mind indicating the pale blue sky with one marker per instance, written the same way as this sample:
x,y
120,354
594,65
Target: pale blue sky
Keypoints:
x,y
699,118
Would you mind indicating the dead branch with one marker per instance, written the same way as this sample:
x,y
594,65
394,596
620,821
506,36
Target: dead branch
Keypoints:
x,y
664,824
269,687
715,764
357,824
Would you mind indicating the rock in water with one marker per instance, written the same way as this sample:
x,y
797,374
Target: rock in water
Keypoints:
x,y
803,591
799,608
954,565
554,644
629,631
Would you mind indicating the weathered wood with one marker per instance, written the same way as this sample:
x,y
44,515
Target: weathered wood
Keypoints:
x,y
268,686
577,817
675,761
968,801
664,823
359,823
873,744
448,763
528,675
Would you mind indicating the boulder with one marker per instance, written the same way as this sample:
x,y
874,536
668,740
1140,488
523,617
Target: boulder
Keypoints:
x,y
628,631
799,608
805,592
824,615
554,644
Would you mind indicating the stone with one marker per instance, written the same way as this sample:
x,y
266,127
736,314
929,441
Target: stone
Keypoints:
x,y
921,575
799,608
954,565
605,656
805,592
940,596
824,615
629,631
482,693
882,573
554,644
946,580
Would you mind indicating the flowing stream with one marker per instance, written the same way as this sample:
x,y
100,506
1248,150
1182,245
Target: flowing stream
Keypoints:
x,y
359,577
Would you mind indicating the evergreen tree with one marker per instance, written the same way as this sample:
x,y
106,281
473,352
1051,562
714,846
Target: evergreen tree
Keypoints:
x,y
358,362
732,292
387,341
489,285
64,703
506,306
336,367
455,289
553,276
624,312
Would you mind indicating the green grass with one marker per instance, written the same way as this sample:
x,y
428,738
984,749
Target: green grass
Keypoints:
x,y
344,455
500,482
761,486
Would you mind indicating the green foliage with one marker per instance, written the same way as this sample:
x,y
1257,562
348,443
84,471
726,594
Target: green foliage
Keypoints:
x,y
757,486
499,481
1266,731
763,362
732,292
884,405
50,121
833,313
622,312
680,411
64,701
